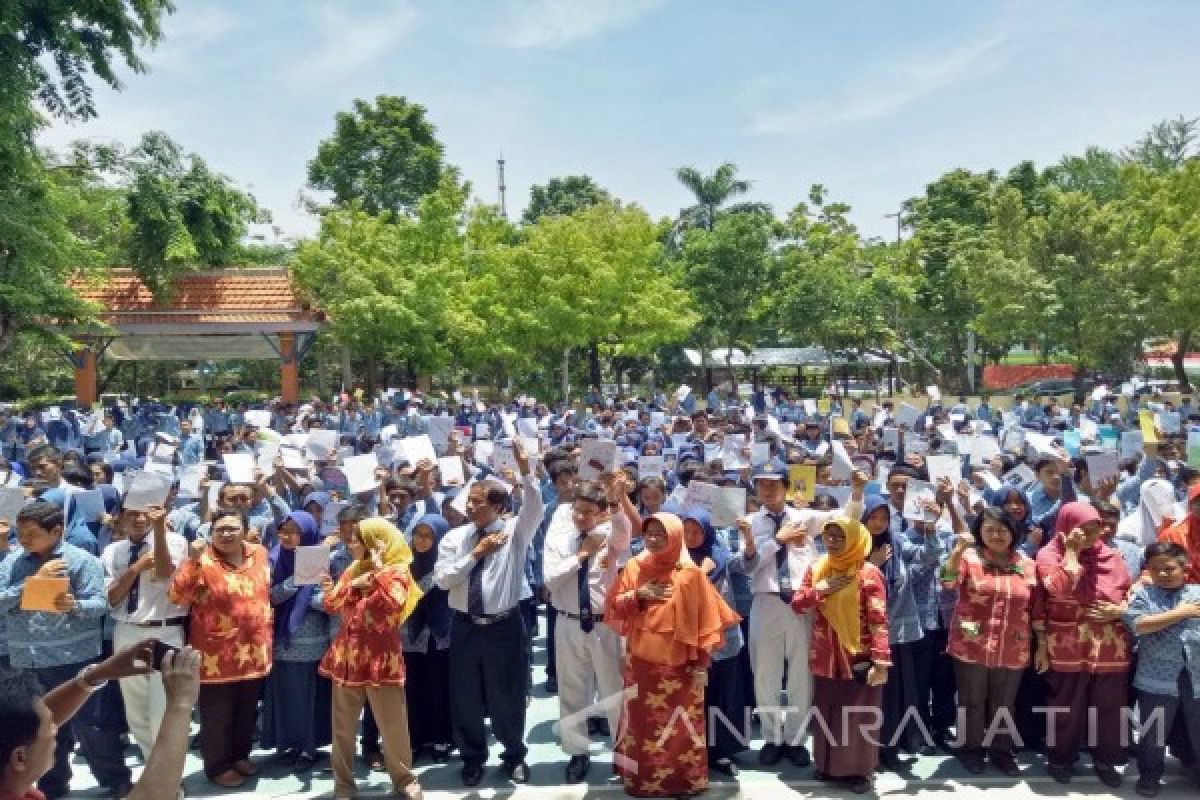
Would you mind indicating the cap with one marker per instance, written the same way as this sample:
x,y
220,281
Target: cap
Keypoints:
x,y
769,472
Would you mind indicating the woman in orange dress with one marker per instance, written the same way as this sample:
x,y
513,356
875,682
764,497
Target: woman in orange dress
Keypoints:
x,y
228,586
374,596
672,619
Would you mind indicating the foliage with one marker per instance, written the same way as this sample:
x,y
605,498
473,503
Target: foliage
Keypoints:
x,y
385,157
712,192
563,196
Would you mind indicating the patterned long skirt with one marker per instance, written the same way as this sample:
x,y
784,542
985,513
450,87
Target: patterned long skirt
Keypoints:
x,y
661,742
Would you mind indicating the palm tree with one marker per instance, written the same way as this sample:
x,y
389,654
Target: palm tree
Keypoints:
x,y
711,191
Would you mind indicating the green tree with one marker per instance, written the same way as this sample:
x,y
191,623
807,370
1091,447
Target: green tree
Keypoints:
x,y
48,54
182,214
385,156
730,272
712,193
563,196
390,288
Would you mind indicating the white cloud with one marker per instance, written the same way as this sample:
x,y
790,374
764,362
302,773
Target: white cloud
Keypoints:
x,y
188,31
890,89
351,41
557,23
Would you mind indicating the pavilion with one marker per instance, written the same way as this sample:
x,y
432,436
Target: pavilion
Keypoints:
x,y
231,313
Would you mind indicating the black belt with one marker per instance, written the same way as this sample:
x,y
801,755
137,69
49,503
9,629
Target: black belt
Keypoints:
x,y
569,615
488,619
159,623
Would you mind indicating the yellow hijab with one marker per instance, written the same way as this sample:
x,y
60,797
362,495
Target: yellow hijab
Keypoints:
x,y
841,609
381,536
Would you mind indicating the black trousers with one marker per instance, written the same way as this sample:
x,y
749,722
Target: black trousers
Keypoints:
x,y
488,679
228,712
935,679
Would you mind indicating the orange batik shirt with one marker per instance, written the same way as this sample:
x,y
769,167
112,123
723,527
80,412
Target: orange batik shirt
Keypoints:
x,y
231,619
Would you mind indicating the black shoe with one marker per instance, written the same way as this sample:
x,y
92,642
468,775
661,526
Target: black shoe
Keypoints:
x,y
1059,773
820,777
441,753
1107,774
518,772
598,726
305,762
1147,787
288,757
890,761
974,763
770,754
798,755
861,785
725,766
577,769
472,774
551,685
120,792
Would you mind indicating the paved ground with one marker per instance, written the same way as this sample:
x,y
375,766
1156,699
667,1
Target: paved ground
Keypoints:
x,y
940,776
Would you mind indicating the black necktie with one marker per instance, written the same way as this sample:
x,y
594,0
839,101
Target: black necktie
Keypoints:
x,y
135,551
781,563
585,593
475,583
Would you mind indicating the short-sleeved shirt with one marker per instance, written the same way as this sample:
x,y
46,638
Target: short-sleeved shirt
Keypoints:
x,y
1163,654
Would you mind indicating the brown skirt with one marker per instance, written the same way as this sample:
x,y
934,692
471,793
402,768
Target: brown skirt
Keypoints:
x,y
846,733
661,742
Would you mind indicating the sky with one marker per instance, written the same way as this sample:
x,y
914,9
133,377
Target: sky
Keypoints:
x,y
873,100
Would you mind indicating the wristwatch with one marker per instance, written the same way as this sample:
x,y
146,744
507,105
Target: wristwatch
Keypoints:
x,y
83,678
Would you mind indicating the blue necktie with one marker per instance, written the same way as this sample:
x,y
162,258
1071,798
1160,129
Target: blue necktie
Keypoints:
x,y
475,605
135,551
781,564
585,593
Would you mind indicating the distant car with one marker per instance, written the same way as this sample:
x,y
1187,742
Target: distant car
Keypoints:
x,y
1157,386
1050,386
853,389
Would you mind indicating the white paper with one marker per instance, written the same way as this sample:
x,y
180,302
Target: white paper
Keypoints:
x,y
293,458
265,459
451,470
731,451
699,495
760,453
415,449
459,503
1014,440
312,562
12,500
728,505
483,430
989,479
506,424
680,440
239,467
1020,476
842,468
1101,466
527,427
189,480
939,467
503,457
651,466
841,494
259,418
983,449
329,523
1131,444
483,451
682,392
916,495
1170,422
935,394
145,490
595,458
321,444
915,444
159,468
360,473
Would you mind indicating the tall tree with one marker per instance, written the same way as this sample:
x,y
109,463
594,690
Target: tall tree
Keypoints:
x,y
731,271
183,215
385,156
712,192
563,196
48,54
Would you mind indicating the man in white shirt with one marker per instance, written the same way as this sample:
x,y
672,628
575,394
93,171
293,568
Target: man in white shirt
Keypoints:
x,y
784,549
137,571
481,565
583,553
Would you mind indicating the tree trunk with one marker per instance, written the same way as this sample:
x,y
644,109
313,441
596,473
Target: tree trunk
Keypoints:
x,y
566,375
347,369
1182,343
594,364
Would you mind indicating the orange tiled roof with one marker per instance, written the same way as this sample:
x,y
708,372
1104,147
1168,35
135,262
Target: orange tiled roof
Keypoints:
x,y
230,295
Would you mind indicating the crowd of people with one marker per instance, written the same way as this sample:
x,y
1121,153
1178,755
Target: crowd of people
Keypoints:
x,y
853,586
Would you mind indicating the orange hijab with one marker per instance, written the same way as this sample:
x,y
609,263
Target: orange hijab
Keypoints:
x,y
696,615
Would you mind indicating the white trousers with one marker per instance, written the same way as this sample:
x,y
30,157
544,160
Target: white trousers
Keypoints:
x,y
586,663
778,636
145,700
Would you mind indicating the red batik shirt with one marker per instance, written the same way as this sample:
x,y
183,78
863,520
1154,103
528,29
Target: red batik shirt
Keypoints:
x,y
828,658
230,613
1076,643
992,623
367,649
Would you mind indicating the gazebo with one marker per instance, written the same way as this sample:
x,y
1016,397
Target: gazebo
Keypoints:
x,y
231,313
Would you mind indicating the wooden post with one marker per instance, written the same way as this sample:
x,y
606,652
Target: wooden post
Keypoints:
x,y
289,369
85,376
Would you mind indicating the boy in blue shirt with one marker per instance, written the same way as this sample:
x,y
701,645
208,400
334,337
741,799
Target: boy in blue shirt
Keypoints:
x,y
1165,617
